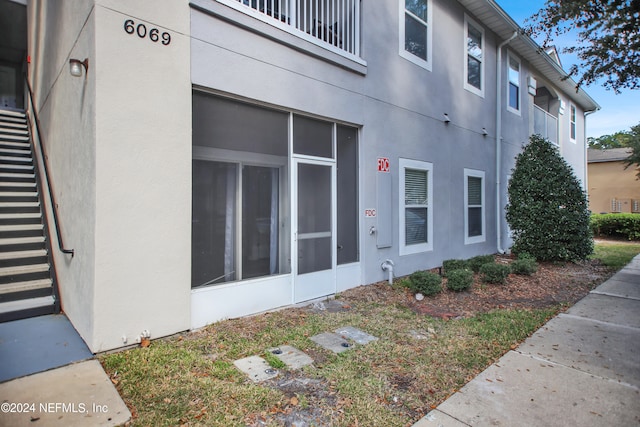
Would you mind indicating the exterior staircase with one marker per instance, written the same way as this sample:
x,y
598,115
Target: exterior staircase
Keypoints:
x,y
27,287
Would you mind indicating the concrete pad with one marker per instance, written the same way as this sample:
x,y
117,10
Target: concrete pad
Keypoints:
x,y
523,391
75,395
355,334
332,342
620,311
436,418
37,344
256,368
619,288
594,347
291,356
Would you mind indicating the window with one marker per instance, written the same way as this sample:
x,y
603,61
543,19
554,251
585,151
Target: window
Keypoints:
x,y
239,198
415,31
347,189
573,123
513,104
416,214
474,206
474,48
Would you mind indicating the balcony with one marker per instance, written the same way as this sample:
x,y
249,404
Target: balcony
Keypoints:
x,y
545,124
333,23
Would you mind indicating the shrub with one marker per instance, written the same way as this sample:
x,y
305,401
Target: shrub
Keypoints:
x,y
547,211
478,261
425,282
624,225
524,266
459,280
495,273
454,264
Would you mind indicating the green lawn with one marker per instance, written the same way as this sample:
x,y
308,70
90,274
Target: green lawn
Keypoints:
x,y
416,364
616,254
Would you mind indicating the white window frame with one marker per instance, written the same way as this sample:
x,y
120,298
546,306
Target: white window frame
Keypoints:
x,y
481,238
470,22
573,129
429,24
421,247
510,57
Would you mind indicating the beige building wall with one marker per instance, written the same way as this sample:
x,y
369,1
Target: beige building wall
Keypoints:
x,y
120,157
609,181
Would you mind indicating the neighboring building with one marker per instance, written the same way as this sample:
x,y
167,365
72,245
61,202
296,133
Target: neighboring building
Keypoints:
x,y
219,158
612,186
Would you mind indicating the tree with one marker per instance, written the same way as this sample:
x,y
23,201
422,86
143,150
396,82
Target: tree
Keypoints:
x,y
608,38
617,140
634,144
547,211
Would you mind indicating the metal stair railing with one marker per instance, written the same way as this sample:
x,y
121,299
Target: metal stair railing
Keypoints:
x,y
48,184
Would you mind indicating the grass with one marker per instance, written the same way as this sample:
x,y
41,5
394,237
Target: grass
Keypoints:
x,y
616,254
416,364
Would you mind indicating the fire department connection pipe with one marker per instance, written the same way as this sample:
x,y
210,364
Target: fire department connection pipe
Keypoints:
x,y
387,266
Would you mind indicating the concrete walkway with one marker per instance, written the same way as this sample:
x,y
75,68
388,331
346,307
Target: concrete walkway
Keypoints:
x,y
581,369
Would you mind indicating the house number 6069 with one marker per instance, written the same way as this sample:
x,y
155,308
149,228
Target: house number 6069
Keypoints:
x,y
141,30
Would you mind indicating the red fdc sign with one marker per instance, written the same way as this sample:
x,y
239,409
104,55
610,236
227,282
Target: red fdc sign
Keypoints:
x,y
383,164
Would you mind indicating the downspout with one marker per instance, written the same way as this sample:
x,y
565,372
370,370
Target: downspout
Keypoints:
x,y
586,148
499,141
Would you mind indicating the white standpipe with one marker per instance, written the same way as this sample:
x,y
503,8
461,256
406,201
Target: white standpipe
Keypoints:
x,y
387,266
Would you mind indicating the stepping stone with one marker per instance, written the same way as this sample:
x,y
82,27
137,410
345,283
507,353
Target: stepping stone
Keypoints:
x,y
332,342
291,356
256,368
356,335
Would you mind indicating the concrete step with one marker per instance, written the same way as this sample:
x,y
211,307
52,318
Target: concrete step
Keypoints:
x,y
5,176
12,131
18,194
6,205
15,159
20,184
23,254
21,227
13,124
12,152
23,269
20,216
26,304
17,168
12,113
13,138
21,240
16,144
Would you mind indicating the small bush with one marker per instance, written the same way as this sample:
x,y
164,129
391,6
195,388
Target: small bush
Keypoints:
x,y
459,280
425,282
495,273
524,266
624,225
454,264
478,261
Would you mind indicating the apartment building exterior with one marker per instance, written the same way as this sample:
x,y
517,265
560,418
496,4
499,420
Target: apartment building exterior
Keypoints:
x,y
218,158
613,186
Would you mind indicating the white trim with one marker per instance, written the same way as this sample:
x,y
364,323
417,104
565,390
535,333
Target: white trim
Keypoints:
x,y
518,111
481,238
573,122
401,33
422,247
478,91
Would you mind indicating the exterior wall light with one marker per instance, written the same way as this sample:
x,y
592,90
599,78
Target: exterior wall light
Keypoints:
x,y
484,132
447,120
75,66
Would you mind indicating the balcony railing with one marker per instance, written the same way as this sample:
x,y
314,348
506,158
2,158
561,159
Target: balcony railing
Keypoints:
x,y
545,124
336,22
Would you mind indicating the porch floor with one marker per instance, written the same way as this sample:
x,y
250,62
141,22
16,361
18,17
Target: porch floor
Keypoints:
x,y
39,344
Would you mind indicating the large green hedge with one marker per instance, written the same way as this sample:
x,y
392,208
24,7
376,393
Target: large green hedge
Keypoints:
x,y
547,208
624,225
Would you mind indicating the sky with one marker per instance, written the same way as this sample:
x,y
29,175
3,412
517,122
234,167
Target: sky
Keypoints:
x,y
618,111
